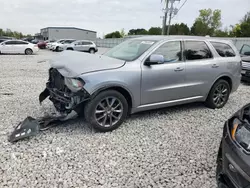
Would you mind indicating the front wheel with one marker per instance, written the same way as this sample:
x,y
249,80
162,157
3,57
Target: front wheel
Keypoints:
x,y
92,51
107,111
218,95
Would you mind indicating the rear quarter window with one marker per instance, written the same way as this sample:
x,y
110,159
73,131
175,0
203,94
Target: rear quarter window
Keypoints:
x,y
224,50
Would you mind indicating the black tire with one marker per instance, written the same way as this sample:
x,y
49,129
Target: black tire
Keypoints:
x,y
28,51
211,101
90,110
70,49
57,49
91,50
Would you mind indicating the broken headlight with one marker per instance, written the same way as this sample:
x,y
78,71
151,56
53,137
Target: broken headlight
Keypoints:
x,y
74,84
240,133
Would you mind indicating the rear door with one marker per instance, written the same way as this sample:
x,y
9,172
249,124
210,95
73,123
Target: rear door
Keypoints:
x,y
78,46
20,46
201,68
86,46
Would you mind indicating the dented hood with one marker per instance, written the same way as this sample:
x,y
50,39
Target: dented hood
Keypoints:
x,y
73,63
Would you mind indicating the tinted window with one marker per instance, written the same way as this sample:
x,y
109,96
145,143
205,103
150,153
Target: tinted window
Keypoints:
x,y
68,41
86,43
11,42
171,51
245,49
224,50
195,50
21,42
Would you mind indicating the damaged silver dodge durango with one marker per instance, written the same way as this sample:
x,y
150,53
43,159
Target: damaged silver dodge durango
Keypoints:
x,y
142,74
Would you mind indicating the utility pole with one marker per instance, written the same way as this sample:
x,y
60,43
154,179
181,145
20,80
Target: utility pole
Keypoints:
x,y
171,11
164,21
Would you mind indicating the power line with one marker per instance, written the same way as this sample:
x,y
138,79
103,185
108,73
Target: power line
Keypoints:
x,y
179,8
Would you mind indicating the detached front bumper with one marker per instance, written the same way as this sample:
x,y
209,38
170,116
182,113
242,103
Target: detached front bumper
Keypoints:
x,y
62,97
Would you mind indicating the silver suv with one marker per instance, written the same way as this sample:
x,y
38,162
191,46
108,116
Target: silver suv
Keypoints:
x,y
83,46
143,74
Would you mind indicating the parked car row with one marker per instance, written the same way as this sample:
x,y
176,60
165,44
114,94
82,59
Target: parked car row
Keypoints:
x,y
72,44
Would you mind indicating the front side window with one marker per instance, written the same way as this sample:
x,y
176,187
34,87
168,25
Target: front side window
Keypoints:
x,y
245,50
130,49
68,41
224,50
196,50
171,51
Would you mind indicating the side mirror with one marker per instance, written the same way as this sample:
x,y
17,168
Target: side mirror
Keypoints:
x,y
154,59
247,53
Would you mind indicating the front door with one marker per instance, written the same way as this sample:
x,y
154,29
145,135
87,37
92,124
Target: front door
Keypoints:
x,y
164,82
78,46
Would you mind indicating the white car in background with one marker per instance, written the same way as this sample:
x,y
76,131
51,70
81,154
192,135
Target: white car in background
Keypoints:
x,y
83,46
51,45
60,46
18,47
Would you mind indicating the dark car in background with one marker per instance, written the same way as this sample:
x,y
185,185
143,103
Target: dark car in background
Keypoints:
x,y
245,55
233,160
42,44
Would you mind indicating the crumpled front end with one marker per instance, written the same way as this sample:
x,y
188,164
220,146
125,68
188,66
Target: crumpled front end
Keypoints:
x,y
64,99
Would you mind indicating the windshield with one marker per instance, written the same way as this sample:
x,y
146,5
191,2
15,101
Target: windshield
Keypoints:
x,y
130,50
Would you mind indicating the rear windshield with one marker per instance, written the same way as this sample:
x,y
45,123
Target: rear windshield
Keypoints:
x,y
130,50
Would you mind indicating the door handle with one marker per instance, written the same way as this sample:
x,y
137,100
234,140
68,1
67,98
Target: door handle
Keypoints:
x,y
179,69
215,66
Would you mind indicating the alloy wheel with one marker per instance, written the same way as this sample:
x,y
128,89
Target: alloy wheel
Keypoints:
x,y
108,111
220,95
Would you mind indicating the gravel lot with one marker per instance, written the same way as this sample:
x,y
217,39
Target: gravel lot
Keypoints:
x,y
173,147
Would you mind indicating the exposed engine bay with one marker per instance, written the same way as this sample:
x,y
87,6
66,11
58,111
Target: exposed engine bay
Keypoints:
x,y
64,99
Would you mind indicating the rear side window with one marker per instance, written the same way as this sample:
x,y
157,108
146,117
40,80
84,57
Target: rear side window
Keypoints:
x,y
224,50
196,50
21,42
87,43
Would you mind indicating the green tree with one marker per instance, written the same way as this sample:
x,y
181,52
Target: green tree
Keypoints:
x,y
207,23
222,33
154,31
138,32
179,29
115,34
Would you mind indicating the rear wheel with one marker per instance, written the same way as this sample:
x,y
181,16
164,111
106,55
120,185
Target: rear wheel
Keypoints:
x,y
107,111
70,49
28,51
218,95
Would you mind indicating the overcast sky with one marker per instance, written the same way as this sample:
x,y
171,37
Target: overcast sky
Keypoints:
x,y
103,16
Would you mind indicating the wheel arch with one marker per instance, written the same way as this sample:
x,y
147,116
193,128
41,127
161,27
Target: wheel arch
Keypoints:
x,y
121,89
222,77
